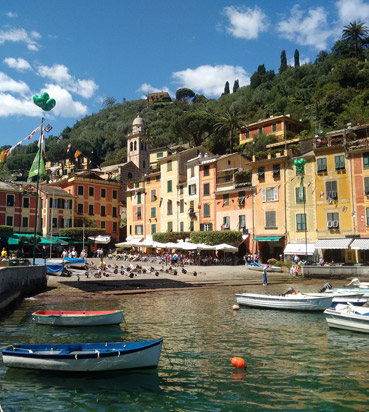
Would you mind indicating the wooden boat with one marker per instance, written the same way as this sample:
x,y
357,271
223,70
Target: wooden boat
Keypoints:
x,y
84,357
348,317
285,301
77,318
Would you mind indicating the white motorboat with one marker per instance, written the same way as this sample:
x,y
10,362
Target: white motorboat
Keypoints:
x,y
348,317
288,301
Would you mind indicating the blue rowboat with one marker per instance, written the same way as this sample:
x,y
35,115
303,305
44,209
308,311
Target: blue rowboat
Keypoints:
x,y
84,357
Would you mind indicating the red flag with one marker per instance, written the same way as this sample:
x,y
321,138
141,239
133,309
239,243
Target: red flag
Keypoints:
x,y
69,145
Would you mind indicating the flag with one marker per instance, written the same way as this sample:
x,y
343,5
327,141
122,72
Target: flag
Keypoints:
x,y
41,142
5,153
35,170
77,153
69,145
48,128
161,201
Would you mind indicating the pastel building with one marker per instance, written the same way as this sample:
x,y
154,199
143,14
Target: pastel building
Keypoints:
x,y
96,201
300,208
283,127
333,196
269,232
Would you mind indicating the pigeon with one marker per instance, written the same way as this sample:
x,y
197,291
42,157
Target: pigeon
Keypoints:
x,y
152,269
175,273
184,271
195,273
166,270
143,270
156,273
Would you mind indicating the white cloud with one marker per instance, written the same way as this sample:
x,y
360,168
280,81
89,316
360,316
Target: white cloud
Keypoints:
x,y
18,64
210,80
7,84
306,30
11,14
12,106
60,74
21,35
65,105
246,23
352,10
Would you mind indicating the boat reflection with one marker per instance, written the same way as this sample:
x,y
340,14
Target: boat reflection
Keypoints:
x,y
19,380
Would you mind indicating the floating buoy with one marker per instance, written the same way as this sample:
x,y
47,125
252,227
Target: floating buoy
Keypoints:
x,y
235,307
238,363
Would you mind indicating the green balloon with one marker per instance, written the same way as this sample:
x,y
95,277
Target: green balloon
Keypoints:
x,y
44,102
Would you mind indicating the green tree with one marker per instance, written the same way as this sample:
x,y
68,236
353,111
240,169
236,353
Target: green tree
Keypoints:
x,y
195,126
236,86
185,94
355,32
109,102
297,58
283,65
230,122
226,88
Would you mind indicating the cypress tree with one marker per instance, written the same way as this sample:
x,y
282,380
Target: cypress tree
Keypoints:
x,y
226,88
236,86
283,66
297,58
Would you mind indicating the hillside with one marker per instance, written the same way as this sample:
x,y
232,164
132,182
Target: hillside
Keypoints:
x,y
327,93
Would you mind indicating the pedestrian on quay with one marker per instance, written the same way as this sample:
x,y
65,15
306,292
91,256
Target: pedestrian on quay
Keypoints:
x,y
265,279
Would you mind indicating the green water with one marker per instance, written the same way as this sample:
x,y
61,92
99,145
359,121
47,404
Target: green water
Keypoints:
x,y
294,361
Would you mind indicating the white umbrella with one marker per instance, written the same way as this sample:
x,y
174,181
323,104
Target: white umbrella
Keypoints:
x,y
146,243
159,245
226,248
100,239
202,246
126,244
187,246
172,245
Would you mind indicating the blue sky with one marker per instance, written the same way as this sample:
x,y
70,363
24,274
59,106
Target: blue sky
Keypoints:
x,y
81,52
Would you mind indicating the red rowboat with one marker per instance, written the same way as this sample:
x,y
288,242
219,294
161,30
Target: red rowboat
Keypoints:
x,y
77,318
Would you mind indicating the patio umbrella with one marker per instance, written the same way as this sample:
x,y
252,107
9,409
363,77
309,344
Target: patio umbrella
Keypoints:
x,y
187,246
172,245
100,239
202,246
226,248
158,245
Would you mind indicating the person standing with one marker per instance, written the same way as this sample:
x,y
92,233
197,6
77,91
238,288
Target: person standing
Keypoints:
x,y
265,279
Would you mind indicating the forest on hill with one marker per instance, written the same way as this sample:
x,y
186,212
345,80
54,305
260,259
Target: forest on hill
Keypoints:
x,y
326,94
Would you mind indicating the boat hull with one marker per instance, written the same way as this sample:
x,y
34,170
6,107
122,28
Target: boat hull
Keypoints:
x,y
347,320
75,318
85,357
286,302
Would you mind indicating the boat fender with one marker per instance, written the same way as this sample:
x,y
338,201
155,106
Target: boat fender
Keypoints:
x,y
98,354
118,354
75,357
238,363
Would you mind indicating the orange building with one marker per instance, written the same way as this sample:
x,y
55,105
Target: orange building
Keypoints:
x,y
269,231
283,127
97,201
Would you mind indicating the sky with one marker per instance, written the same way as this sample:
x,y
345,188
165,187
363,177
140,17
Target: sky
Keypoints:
x,y
83,51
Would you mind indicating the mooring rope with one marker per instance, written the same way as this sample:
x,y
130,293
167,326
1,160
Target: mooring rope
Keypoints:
x,y
166,352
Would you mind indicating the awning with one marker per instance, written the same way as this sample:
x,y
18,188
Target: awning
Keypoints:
x,y
361,244
60,240
267,238
299,249
27,238
333,243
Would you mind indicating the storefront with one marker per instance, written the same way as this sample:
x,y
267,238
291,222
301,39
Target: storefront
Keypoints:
x,y
335,250
269,247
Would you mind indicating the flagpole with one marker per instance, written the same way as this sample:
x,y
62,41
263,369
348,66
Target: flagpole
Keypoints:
x,y
37,188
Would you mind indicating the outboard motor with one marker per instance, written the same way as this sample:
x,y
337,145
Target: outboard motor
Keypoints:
x,y
327,286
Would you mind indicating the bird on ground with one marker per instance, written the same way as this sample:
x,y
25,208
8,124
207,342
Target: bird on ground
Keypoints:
x,y
170,268
156,273
152,269
184,271
175,273
195,273
166,270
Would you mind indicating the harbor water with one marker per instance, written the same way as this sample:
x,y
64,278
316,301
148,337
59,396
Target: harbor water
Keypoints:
x,y
294,361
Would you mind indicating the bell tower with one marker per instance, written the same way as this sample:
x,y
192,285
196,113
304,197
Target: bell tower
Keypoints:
x,y
138,145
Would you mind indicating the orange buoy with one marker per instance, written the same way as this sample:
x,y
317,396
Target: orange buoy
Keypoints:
x,y
238,363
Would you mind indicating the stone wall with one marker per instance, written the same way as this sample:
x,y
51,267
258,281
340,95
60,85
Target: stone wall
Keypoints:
x,y
19,281
336,272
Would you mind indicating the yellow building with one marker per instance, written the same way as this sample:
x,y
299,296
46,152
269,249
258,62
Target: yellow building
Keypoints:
x,y
333,202
176,211
301,209
65,167
283,127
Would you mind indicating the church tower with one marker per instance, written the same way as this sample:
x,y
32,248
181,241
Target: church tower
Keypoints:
x,y
138,145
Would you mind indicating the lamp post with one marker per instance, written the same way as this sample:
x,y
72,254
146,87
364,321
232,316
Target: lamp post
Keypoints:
x,y
300,170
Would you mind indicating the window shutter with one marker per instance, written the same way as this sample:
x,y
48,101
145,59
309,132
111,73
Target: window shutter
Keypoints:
x,y
263,195
275,193
366,183
337,162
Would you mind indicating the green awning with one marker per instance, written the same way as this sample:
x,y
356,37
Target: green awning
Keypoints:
x,y
14,239
60,240
267,239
